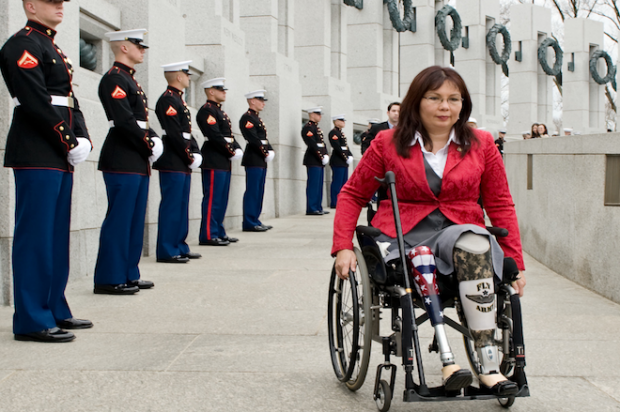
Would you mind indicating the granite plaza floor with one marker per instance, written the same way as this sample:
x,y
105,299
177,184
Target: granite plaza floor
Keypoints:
x,y
244,328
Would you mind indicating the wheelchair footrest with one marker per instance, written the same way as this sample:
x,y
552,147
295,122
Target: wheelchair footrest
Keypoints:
x,y
471,393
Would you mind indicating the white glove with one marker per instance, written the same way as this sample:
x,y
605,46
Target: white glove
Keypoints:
x,y
270,156
349,160
197,161
325,159
157,149
238,154
79,153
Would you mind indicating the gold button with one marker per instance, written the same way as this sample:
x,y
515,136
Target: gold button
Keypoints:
x,y
27,28
70,93
61,128
49,32
458,149
54,61
67,137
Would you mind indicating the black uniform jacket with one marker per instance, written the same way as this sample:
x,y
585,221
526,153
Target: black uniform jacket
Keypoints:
x,y
179,144
219,145
128,145
372,133
340,152
34,69
255,134
313,137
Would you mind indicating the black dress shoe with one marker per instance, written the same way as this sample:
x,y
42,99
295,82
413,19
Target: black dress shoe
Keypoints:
x,y
503,388
122,289
256,229
231,239
267,226
47,335
141,284
73,323
315,213
215,242
174,259
192,255
458,380
325,212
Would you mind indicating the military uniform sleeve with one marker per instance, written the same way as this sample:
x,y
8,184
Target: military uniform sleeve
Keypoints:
x,y
168,111
24,66
307,133
368,138
207,121
248,129
79,124
334,140
113,92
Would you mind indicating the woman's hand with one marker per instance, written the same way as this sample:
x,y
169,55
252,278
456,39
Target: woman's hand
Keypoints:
x,y
519,284
345,261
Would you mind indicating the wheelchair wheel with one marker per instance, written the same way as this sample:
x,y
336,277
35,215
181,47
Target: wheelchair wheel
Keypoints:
x,y
506,402
349,322
383,397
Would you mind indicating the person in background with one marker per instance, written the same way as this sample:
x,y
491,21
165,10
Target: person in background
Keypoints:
x,y
393,113
315,159
471,122
340,159
542,130
499,142
568,131
534,131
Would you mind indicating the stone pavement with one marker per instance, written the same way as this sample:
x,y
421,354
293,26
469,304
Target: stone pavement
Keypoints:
x,y
244,328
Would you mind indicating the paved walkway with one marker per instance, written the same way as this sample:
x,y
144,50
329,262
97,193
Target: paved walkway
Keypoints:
x,y
244,329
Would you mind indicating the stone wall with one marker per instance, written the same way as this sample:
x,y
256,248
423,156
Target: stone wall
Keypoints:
x,y
563,218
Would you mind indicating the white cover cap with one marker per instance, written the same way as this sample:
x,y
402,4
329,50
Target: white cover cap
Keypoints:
x,y
318,110
502,131
472,120
217,82
256,94
374,121
568,129
339,117
135,36
177,67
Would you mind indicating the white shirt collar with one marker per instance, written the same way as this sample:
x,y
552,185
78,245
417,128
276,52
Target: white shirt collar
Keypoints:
x,y
418,138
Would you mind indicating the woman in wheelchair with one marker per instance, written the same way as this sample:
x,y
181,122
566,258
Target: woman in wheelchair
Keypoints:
x,y
442,167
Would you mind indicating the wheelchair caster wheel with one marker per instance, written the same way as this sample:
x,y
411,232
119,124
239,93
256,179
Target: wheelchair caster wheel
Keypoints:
x,y
507,402
383,397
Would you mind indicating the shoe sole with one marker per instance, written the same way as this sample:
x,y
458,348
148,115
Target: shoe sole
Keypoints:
x,y
458,380
171,261
105,292
213,244
23,338
75,327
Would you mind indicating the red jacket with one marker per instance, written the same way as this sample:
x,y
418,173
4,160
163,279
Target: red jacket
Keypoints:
x,y
465,178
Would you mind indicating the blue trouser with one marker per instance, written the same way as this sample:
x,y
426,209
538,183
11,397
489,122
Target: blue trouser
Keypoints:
x,y
253,196
41,248
314,189
122,231
340,175
173,220
215,188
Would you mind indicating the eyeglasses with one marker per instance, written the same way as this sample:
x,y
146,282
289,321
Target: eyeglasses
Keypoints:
x,y
452,101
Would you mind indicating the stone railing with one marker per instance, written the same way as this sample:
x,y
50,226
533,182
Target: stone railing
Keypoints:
x,y
567,191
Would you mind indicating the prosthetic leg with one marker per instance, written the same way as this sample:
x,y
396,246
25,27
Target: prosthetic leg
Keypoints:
x,y
423,260
474,270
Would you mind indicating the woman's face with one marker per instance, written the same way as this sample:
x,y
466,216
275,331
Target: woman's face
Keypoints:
x,y
440,108
541,129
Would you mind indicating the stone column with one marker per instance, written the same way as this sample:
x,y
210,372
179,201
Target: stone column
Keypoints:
x,y
269,30
417,50
531,91
321,85
583,98
481,74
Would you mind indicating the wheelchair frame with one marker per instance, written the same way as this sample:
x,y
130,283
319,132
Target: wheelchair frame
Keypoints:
x,y
354,309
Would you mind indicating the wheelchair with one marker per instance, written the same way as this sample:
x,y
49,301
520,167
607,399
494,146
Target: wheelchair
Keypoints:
x,y
355,307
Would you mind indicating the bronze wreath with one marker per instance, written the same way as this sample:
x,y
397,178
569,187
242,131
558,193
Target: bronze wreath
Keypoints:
x,y
440,25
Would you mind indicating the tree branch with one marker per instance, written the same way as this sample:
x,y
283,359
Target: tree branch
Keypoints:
x,y
610,99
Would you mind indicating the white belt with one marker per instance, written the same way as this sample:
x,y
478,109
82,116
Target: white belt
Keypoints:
x,y
62,101
320,145
186,136
229,139
344,147
141,124
264,141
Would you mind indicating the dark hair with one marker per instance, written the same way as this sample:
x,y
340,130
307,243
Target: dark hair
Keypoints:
x,y
545,126
393,104
410,122
533,132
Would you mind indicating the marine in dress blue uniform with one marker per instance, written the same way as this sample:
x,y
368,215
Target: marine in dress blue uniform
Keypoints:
x,y
48,136
315,160
218,149
340,159
126,156
181,155
258,152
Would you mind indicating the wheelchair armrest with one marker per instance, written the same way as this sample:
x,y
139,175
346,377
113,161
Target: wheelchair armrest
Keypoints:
x,y
497,231
367,231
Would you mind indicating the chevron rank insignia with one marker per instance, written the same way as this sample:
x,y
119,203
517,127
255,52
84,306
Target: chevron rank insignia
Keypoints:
x,y
119,93
27,61
309,134
211,120
171,111
249,125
